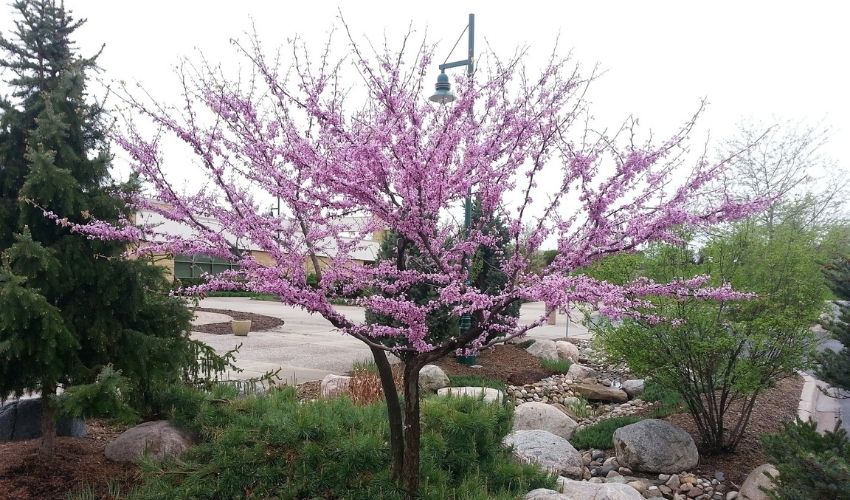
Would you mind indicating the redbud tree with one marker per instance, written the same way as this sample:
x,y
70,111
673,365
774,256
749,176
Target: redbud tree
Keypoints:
x,y
518,140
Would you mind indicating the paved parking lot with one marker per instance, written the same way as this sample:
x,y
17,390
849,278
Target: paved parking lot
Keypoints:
x,y
306,347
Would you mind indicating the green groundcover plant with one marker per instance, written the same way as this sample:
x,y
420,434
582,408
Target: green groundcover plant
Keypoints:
x,y
272,446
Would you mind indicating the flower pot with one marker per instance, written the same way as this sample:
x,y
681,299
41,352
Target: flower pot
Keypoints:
x,y
240,327
466,360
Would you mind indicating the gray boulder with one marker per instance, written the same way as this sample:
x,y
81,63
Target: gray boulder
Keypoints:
x,y
544,349
567,350
544,494
583,490
758,479
542,416
432,378
655,446
21,420
486,393
334,385
551,452
633,387
579,372
157,439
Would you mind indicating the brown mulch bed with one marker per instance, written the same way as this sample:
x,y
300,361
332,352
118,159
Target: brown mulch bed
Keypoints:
x,y
773,408
508,363
259,322
77,464
308,390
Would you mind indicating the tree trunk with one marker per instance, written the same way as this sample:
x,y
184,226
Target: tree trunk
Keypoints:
x,y
412,430
48,423
385,372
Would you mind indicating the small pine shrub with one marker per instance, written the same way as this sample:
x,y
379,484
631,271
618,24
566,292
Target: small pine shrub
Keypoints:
x,y
670,401
600,435
559,366
475,381
272,446
810,464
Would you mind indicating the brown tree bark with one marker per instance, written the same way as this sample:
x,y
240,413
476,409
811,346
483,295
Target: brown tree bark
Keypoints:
x,y
412,430
48,423
394,415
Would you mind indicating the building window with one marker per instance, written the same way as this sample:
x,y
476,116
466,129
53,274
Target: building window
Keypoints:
x,y
195,266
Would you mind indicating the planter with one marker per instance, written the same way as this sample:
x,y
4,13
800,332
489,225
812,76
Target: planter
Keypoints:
x,y
466,360
240,327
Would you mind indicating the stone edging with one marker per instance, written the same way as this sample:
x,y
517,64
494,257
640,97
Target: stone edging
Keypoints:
x,y
817,406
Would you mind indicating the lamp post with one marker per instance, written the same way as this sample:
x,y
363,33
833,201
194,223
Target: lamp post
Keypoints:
x,y
443,95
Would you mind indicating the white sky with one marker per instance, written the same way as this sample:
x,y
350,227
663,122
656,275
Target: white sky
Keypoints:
x,y
763,60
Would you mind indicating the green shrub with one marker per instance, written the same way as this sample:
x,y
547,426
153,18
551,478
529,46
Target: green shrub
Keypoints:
x,y
600,435
578,406
364,365
669,399
525,344
273,447
559,366
475,381
810,464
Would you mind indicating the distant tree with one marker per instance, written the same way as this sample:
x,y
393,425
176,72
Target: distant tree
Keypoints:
x,y
71,305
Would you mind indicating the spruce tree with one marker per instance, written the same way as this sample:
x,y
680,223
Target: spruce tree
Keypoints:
x,y
72,306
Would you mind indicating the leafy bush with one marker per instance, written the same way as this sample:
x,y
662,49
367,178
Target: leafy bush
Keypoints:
x,y
670,400
475,381
600,435
810,464
555,365
723,354
272,446
579,407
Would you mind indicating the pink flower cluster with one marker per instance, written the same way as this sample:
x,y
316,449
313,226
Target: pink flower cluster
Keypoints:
x,y
517,141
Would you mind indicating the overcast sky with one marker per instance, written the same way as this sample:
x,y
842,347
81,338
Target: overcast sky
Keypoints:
x,y
768,61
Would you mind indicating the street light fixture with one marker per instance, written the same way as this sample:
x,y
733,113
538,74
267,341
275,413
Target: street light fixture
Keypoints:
x,y
443,95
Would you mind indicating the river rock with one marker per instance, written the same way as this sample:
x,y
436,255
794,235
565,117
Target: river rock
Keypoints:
x,y
551,452
334,385
633,387
583,490
542,416
751,489
579,372
21,419
432,378
157,439
655,446
567,350
487,393
544,349
598,392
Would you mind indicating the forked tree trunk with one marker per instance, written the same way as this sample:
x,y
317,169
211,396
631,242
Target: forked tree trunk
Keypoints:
x,y
412,431
385,372
48,423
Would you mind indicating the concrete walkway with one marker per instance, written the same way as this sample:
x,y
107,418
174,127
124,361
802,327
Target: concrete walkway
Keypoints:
x,y
307,347
821,408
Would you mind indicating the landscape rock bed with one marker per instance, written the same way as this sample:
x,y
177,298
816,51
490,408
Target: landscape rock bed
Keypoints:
x,y
259,322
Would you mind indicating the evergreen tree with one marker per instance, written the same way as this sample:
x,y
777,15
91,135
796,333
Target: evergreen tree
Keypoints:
x,y
834,367
72,306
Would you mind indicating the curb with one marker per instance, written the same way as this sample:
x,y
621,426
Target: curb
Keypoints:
x,y
817,406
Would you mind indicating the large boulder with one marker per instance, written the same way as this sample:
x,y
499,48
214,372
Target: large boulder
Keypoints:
x,y
580,372
567,350
599,392
583,490
758,479
551,452
334,385
21,420
543,349
655,446
542,416
432,378
633,387
544,494
157,440
486,393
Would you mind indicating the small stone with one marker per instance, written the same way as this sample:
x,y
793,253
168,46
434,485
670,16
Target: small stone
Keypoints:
x,y
640,486
612,473
685,487
732,495
663,477
665,490
695,492
673,482
625,471
597,454
612,461
718,475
